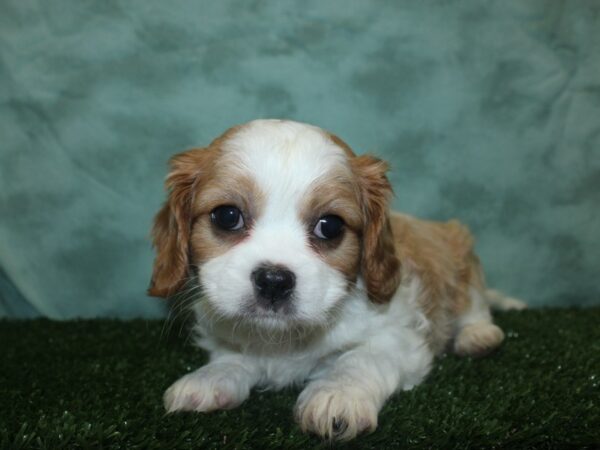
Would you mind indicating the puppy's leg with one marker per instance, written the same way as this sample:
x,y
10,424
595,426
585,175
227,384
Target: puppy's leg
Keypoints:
x,y
224,383
345,398
476,334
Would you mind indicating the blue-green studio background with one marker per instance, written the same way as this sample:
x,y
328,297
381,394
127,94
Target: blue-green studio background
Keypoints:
x,y
487,111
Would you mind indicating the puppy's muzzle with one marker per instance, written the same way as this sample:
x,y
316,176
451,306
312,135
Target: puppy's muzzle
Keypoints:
x,y
273,285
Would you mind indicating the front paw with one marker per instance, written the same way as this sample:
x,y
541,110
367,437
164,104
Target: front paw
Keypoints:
x,y
206,390
336,412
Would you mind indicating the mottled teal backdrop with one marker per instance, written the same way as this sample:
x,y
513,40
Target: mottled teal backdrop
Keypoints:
x,y
487,111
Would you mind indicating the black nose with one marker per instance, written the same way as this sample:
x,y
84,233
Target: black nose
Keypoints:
x,y
274,284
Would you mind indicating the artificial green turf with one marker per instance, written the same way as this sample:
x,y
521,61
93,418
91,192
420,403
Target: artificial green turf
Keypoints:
x,y
91,384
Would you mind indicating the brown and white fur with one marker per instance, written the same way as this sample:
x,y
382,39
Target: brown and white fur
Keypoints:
x,y
369,309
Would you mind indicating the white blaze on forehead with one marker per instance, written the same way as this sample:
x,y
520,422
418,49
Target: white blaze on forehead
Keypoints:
x,y
283,157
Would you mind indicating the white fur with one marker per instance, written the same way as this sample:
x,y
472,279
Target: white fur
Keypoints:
x,y
349,353
352,365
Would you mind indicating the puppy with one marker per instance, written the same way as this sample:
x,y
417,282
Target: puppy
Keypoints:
x,y
302,276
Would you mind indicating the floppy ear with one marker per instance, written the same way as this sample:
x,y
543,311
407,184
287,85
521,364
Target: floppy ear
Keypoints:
x,y
172,224
380,266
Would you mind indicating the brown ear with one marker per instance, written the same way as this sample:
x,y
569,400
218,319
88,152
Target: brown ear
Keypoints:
x,y
172,224
380,266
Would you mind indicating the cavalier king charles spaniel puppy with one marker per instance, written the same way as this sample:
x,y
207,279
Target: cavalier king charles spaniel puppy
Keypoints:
x,y
303,276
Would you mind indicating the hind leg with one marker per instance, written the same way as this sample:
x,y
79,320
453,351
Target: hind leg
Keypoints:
x,y
476,334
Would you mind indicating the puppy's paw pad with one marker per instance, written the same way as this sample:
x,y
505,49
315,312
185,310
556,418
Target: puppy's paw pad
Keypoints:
x,y
336,413
478,339
195,392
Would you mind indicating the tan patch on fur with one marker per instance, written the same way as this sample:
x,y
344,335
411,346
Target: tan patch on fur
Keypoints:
x,y
172,224
380,266
336,194
223,189
346,257
441,256
341,144
192,173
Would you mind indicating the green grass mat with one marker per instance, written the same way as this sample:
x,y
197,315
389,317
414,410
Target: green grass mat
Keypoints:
x,y
92,384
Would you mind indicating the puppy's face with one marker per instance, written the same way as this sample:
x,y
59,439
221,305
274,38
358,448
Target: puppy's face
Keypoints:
x,y
276,220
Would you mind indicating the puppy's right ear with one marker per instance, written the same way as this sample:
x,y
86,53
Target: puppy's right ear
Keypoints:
x,y
172,225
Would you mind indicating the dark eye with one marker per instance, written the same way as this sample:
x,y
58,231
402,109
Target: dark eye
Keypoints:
x,y
227,218
329,227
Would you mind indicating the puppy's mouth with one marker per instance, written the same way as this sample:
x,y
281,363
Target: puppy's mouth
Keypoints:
x,y
258,307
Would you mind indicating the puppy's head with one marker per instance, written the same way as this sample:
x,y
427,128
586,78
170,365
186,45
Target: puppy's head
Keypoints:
x,y
275,220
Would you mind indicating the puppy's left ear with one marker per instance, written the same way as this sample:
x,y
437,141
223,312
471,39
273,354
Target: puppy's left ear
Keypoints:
x,y
380,266
172,225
